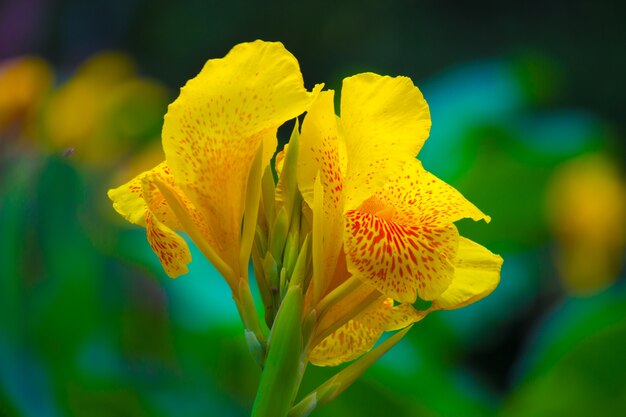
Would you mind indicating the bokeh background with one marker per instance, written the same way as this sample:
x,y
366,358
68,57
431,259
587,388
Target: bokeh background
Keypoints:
x,y
528,122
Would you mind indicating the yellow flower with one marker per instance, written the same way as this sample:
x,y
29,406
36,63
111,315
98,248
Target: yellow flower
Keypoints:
x,y
393,218
24,83
104,111
586,205
224,120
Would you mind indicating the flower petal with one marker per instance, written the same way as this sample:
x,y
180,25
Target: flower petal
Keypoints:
x,y
128,199
354,338
141,202
400,261
476,275
320,154
320,151
419,198
213,130
385,122
171,249
403,315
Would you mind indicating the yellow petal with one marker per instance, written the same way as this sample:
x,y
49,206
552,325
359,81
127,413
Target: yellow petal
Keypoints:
x,y
385,122
400,261
417,197
128,199
354,338
476,275
171,249
320,155
320,151
141,202
402,316
213,129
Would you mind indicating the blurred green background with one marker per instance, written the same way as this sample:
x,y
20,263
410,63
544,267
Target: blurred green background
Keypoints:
x,y
528,122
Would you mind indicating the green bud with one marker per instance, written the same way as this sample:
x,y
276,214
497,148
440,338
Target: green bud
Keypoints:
x,y
268,196
273,283
291,252
283,283
278,237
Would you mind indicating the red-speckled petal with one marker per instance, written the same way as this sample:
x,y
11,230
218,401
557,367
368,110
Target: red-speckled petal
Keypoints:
x,y
130,202
213,130
354,338
403,315
419,198
171,249
385,121
141,202
321,154
400,261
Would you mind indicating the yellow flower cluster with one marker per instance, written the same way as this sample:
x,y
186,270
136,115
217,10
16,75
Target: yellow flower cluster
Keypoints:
x,y
100,114
354,226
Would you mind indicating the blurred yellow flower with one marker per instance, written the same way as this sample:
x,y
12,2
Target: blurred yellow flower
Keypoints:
x,y
586,207
104,111
24,83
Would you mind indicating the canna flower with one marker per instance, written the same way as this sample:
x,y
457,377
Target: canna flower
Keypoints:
x,y
218,136
349,238
388,232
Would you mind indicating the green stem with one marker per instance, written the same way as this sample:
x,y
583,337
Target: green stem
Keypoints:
x,y
251,322
281,376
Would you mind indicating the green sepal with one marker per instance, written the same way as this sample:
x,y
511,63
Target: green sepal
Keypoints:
x,y
291,252
279,380
284,283
253,198
273,282
260,240
278,237
288,176
298,275
330,389
268,189
257,350
261,279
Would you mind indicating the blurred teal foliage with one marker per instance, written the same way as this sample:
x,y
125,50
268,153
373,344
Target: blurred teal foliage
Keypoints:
x,y
91,326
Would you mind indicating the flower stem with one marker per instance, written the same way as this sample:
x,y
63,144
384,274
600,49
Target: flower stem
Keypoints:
x,y
252,323
283,367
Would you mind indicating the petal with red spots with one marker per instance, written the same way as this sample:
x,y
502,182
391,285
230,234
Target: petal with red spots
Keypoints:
x,y
354,338
385,121
171,249
419,198
400,261
129,200
321,154
213,130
